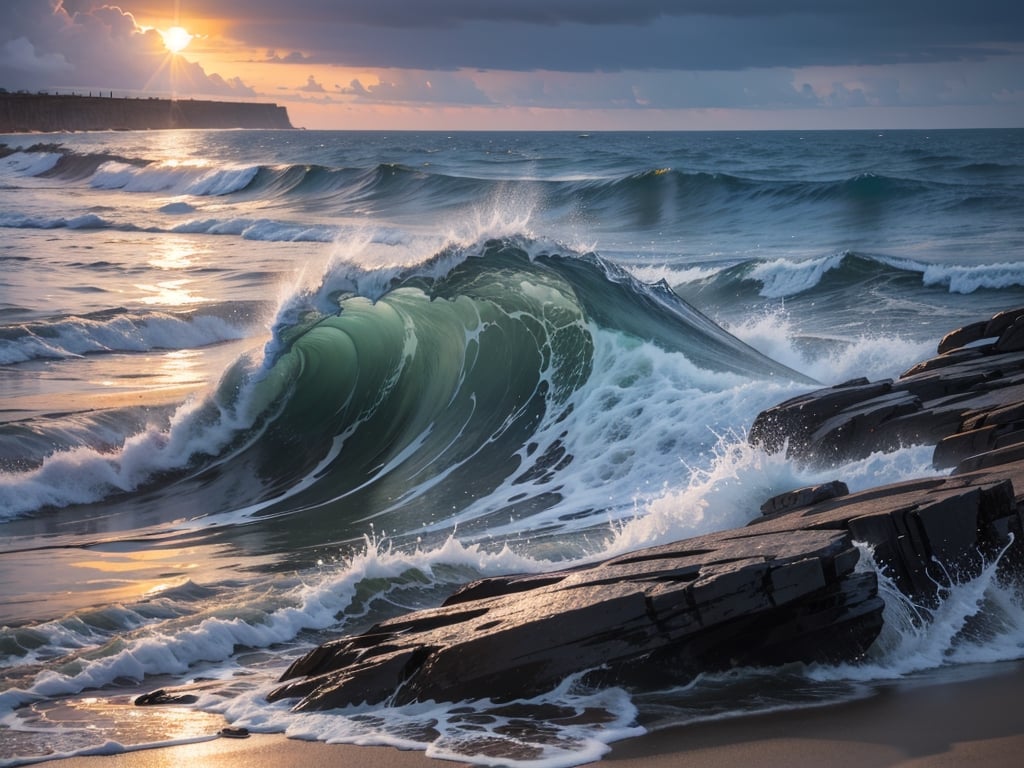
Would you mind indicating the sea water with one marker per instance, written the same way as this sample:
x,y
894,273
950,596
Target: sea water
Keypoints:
x,y
262,389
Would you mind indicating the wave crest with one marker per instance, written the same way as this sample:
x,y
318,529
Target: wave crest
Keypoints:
x,y
452,381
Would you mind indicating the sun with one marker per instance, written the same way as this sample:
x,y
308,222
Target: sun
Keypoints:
x,y
176,39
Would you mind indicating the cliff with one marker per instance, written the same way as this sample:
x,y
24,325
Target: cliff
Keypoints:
x,y
22,112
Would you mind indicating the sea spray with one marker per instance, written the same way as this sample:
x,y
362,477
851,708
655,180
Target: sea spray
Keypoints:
x,y
727,491
974,620
830,358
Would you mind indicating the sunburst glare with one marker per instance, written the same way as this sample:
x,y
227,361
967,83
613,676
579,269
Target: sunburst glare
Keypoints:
x,y
176,39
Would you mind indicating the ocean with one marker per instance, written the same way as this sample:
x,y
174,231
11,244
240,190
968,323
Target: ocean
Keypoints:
x,y
259,389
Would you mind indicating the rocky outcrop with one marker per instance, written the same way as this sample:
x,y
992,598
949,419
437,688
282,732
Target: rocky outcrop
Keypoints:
x,y
968,402
784,588
21,112
924,533
651,617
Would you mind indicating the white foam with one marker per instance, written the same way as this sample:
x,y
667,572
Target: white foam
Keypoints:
x,y
479,732
78,336
28,163
916,639
268,613
181,178
875,357
725,495
968,279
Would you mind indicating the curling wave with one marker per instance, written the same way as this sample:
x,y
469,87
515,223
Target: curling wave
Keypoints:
x,y
443,384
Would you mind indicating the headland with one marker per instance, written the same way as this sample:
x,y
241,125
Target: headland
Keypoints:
x,y
39,112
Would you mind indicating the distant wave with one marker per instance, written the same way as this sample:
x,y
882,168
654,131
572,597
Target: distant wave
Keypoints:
x,y
183,179
264,229
260,229
968,279
396,185
28,163
781,278
111,332
85,221
991,169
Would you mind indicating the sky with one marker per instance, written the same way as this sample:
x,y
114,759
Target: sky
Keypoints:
x,y
543,64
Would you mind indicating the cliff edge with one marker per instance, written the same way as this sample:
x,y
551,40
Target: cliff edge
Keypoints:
x,y
24,112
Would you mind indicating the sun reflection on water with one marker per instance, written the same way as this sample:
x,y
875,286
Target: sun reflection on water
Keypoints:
x,y
176,253
172,255
170,293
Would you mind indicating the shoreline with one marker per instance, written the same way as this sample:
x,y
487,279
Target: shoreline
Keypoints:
x,y
904,724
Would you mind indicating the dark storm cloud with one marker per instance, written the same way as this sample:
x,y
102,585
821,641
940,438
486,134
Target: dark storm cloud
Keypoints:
x,y
611,35
439,13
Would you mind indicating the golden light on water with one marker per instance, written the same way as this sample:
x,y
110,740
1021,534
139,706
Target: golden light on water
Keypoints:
x,y
174,291
176,39
169,293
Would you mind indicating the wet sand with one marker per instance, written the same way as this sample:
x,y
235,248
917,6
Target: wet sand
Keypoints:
x,y
977,721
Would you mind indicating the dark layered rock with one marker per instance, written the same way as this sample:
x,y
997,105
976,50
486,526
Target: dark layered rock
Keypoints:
x,y
966,401
654,616
784,588
923,533
804,497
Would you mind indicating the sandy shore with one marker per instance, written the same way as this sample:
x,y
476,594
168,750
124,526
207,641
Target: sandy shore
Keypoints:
x,y
976,721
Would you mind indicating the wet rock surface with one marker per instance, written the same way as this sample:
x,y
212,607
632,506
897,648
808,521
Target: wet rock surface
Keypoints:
x,y
784,588
654,616
967,401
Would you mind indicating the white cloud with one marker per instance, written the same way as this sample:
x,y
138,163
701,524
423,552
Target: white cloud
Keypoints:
x,y
47,44
311,86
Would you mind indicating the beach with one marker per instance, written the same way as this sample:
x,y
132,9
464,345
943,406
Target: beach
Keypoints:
x,y
968,721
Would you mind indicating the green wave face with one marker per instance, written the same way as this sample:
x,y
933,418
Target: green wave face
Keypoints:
x,y
425,398
444,402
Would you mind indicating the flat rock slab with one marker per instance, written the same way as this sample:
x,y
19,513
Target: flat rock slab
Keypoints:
x,y
656,615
